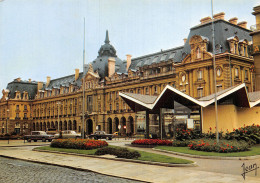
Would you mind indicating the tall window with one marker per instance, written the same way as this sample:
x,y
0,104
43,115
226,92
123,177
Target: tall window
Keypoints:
x,y
17,107
199,74
25,107
236,72
155,89
139,91
147,91
25,115
246,75
200,92
219,88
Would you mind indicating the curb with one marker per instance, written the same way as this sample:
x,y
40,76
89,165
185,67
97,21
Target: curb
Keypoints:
x,y
70,167
124,160
26,145
208,157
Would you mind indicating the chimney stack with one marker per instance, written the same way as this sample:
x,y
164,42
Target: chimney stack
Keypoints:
x,y
111,66
233,20
48,81
128,61
242,24
76,74
220,15
18,79
205,20
185,39
30,80
40,85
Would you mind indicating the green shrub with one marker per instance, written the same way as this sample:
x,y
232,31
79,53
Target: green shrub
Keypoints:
x,y
224,146
250,134
118,152
181,143
189,134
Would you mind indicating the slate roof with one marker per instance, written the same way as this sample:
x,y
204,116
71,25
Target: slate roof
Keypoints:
x,y
223,31
163,55
65,81
100,64
30,87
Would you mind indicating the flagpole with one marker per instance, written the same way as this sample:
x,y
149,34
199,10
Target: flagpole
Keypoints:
x,y
83,89
214,72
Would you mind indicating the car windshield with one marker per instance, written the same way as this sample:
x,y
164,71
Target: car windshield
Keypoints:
x,y
73,132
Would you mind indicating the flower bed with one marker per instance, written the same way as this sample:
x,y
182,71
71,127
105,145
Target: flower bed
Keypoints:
x,y
224,146
86,144
152,142
119,152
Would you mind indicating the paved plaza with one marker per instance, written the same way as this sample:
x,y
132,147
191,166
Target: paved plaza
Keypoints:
x,y
208,170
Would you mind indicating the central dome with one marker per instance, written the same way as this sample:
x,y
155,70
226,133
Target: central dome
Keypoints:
x,y
107,49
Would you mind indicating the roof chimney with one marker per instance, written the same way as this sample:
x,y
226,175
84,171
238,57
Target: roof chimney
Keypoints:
x,y
128,61
39,85
242,24
185,39
30,80
233,20
48,81
111,66
205,20
18,79
76,74
220,15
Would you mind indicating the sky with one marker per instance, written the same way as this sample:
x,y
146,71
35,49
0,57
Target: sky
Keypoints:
x,y
40,38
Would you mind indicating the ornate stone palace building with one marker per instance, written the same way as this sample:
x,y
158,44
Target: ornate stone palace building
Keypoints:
x,y
57,103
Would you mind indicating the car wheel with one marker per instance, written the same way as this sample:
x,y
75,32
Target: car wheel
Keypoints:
x,y
44,140
29,140
35,140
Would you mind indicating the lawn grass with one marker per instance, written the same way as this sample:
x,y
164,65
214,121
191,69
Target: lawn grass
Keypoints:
x,y
78,151
145,156
255,150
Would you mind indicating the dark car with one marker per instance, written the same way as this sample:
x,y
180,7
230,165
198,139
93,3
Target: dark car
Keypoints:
x,y
38,135
101,135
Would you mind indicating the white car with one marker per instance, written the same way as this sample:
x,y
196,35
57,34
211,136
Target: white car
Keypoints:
x,y
66,134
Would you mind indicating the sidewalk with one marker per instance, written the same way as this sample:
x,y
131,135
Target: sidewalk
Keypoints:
x,y
149,173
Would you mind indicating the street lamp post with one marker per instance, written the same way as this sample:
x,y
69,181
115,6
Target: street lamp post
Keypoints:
x,y
7,111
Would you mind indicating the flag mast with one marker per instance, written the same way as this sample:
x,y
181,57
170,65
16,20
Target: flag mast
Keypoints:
x,y
214,72
83,89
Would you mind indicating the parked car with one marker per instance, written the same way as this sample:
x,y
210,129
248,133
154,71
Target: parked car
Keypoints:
x,y
101,135
66,134
51,131
38,135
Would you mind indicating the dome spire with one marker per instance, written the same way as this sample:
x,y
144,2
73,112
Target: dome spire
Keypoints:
x,y
107,38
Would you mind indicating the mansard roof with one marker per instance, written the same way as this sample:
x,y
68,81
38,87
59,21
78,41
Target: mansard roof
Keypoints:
x,y
162,56
223,31
22,86
65,81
